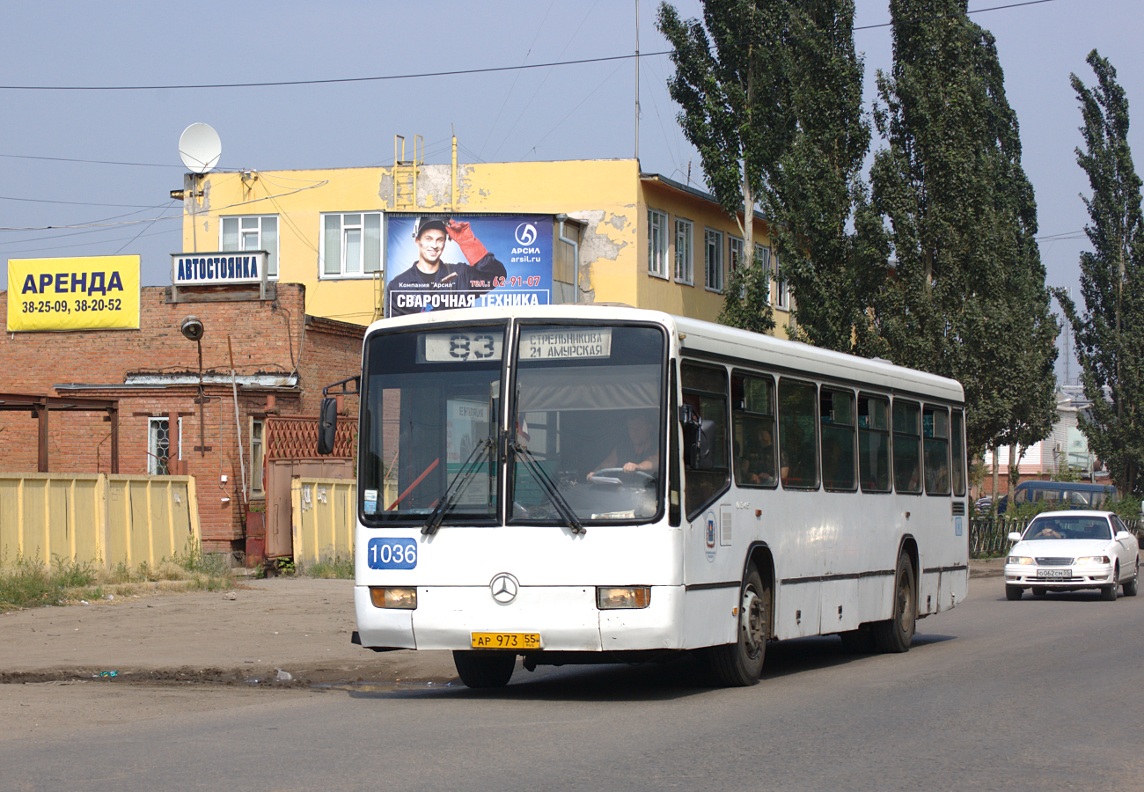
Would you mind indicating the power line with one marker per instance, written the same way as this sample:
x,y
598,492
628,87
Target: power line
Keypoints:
x,y
969,11
335,80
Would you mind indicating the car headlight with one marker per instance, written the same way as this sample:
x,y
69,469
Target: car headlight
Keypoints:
x,y
1020,560
1093,560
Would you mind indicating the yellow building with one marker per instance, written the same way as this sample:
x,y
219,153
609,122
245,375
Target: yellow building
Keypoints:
x,y
606,232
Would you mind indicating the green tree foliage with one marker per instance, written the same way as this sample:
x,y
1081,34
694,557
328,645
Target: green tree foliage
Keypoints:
x,y
815,182
729,84
967,296
1110,332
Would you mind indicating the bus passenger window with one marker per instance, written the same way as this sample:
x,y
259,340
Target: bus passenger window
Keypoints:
x,y
798,440
754,426
874,442
935,432
836,413
907,450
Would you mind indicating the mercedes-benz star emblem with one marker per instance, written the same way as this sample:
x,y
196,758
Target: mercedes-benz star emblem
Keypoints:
x,y
504,588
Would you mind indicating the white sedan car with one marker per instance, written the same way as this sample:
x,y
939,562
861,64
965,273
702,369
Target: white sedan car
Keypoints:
x,y
1069,550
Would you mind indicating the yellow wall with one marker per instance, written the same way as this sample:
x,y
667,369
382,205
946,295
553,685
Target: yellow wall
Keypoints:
x,y
607,197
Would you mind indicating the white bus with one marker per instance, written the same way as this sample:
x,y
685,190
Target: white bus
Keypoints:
x,y
571,484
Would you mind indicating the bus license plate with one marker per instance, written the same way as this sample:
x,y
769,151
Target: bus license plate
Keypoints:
x,y
1054,573
499,640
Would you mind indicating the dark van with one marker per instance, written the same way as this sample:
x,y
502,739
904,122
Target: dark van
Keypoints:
x,y
1064,494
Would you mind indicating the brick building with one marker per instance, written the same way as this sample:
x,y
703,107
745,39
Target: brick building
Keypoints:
x,y
261,358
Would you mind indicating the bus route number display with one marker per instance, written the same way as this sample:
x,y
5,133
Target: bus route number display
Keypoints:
x,y
566,343
462,346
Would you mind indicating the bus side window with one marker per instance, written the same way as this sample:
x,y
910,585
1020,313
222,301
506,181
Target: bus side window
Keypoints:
x,y
874,442
907,451
705,412
798,429
752,440
836,413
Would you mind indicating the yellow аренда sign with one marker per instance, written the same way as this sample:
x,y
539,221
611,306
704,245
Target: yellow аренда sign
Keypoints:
x,y
88,293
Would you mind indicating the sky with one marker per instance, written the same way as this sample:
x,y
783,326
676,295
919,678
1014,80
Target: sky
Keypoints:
x,y
94,97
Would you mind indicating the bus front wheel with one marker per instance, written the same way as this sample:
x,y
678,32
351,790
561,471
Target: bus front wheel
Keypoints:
x,y
896,634
741,663
484,669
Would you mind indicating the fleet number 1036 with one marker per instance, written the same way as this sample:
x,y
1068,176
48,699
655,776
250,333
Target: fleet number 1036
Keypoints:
x,y
391,554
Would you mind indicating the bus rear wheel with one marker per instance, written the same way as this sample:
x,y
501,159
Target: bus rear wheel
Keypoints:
x,y
484,669
896,634
740,664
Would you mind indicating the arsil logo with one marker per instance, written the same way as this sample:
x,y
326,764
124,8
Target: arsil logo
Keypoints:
x,y
504,588
525,234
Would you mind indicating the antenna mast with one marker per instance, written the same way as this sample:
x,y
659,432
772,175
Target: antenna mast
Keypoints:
x,y
637,119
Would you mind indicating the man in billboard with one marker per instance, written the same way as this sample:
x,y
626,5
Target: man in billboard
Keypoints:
x,y
432,284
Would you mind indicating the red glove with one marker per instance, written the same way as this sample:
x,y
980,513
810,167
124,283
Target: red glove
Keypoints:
x,y
462,234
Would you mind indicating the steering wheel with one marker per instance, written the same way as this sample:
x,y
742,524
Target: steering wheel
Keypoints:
x,y
615,476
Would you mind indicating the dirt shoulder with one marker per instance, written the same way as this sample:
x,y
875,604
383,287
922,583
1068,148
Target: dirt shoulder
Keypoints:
x,y
292,631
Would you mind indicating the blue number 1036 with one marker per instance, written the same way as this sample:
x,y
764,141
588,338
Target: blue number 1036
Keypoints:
x,y
392,553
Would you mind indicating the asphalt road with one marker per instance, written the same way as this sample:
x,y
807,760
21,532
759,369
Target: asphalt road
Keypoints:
x,y
1037,694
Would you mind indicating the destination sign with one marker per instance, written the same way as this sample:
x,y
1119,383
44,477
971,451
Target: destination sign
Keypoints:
x,y
566,343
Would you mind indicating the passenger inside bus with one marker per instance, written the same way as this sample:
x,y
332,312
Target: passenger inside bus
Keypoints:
x,y
637,451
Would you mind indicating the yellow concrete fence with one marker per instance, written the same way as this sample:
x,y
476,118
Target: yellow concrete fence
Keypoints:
x,y
323,517
98,519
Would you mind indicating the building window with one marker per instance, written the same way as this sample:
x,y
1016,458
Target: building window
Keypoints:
x,y
713,259
684,263
158,446
763,257
257,489
656,243
782,291
735,245
351,244
252,233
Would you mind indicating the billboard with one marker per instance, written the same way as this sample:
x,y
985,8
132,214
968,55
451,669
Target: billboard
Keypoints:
x,y
440,261
89,293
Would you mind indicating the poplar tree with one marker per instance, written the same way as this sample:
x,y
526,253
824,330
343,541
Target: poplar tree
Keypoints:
x,y
816,187
729,83
1110,332
967,297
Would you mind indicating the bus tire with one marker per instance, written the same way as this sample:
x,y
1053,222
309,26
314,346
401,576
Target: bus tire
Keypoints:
x,y
484,669
740,664
896,634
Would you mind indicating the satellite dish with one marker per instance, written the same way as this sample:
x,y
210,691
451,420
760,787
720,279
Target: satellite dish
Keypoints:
x,y
200,148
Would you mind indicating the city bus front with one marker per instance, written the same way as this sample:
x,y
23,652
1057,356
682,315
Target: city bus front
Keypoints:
x,y
513,491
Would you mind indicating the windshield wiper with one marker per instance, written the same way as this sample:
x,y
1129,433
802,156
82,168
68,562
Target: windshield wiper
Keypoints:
x,y
457,486
549,486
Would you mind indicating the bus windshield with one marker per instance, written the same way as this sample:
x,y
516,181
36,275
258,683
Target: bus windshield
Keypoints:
x,y
589,424
583,443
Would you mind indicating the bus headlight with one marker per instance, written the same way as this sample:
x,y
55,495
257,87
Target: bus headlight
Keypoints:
x,y
393,597
617,597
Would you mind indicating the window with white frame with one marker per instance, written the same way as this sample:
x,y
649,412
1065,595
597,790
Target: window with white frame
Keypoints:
x,y
713,259
763,258
158,446
256,459
684,263
256,232
656,243
351,244
735,247
782,290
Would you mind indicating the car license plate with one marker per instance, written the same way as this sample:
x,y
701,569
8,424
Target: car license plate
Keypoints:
x,y
501,640
1054,573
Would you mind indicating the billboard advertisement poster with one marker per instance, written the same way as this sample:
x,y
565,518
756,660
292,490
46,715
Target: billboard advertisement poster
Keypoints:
x,y
61,294
441,261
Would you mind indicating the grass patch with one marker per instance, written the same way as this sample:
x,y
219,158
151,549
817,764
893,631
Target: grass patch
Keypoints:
x,y
31,584
338,568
